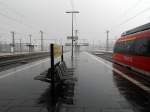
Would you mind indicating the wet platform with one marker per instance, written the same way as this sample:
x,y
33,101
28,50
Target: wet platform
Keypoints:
x,y
98,88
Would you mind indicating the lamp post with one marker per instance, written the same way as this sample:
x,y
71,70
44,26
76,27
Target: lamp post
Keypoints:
x,y
107,40
72,12
42,48
13,42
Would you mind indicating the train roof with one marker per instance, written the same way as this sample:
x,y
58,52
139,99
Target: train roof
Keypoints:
x,y
137,29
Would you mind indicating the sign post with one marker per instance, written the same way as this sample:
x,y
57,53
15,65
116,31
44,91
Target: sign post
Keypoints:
x,y
62,54
74,38
52,75
55,51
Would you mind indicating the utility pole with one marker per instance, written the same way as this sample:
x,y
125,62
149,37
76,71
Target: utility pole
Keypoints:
x,y
72,35
76,40
20,46
76,35
41,40
30,36
107,40
13,42
93,44
76,32
72,12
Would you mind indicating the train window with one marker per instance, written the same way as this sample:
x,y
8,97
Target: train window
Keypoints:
x,y
118,47
124,47
115,47
129,46
142,46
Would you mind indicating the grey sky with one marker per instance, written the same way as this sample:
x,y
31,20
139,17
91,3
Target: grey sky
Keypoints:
x,y
96,16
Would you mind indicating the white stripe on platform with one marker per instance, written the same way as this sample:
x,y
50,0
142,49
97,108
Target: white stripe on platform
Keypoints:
x,y
137,83
19,70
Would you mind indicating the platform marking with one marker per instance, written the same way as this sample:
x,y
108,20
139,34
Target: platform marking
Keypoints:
x,y
137,83
19,70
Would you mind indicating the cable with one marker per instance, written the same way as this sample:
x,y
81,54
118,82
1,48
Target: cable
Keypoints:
x,y
131,18
132,8
15,20
18,14
18,21
127,20
73,8
4,15
10,9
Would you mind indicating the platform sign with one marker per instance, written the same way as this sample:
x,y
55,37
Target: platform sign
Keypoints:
x,y
74,37
57,50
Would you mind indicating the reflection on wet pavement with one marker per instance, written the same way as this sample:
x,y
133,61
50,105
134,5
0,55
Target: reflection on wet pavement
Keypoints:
x,y
139,99
61,92
98,89
95,90
64,93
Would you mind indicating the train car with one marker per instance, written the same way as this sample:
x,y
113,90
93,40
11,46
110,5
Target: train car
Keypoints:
x,y
132,49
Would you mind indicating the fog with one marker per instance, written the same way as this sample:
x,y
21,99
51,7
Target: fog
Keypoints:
x,y
26,17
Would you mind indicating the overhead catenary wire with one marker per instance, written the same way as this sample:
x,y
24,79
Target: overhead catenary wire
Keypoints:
x,y
133,17
16,20
10,18
132,8
127,20
11,9
21,16
74,16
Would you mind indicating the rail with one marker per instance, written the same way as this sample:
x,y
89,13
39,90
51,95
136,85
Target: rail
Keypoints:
x,y
21,58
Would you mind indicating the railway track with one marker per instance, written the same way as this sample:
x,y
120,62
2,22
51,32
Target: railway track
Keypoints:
x,y
15,60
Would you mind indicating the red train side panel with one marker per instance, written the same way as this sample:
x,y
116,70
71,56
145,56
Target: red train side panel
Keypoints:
x,y
138,62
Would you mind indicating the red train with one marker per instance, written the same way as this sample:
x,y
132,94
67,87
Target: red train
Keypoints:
x,y
133,49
